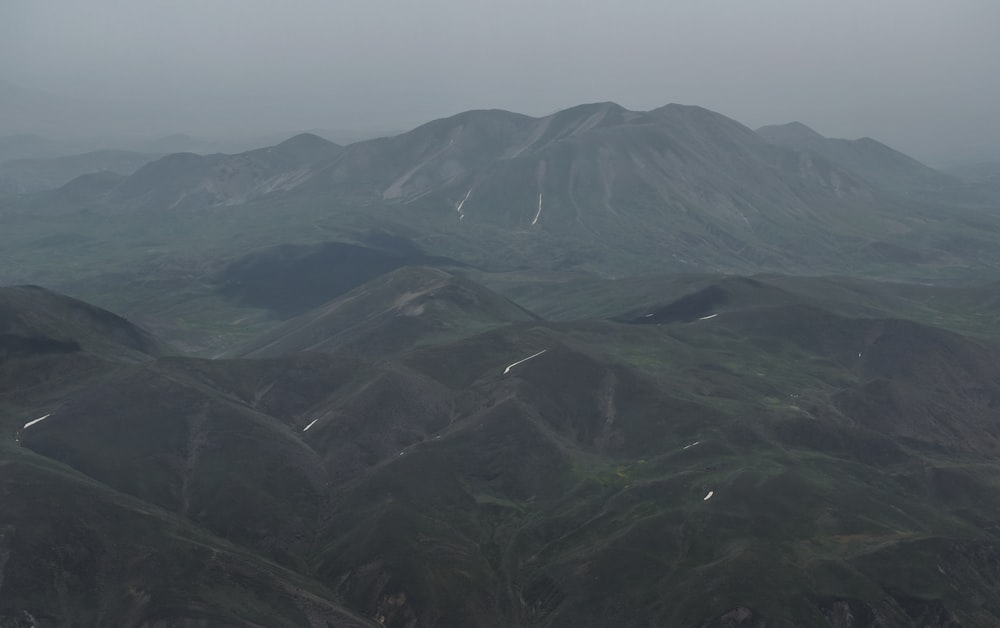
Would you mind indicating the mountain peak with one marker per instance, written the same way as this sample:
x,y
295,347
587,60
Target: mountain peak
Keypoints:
x,y
689,110
593,107
793,132
309,146
593,114
694,116
309,141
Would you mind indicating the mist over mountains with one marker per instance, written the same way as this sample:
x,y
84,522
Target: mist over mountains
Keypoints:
x,y
37,124
597,368
595,187
434,315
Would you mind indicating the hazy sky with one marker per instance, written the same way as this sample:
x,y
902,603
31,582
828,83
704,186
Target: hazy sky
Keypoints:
x,y
919,74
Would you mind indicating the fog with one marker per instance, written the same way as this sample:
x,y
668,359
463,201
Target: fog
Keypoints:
x,y
917,74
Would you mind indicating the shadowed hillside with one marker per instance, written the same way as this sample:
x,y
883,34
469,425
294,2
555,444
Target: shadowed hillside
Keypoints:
x,y
36,321
289,279
505,371
876,162
412,305
584,473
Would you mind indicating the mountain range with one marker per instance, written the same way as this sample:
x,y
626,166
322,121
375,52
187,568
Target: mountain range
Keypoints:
x,y
595,189
599,368
421,451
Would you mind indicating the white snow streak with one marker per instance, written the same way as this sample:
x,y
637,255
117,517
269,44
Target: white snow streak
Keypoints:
x,y
306,428
648,315
38,420
459,208
709,496
539,212
507,370
692,444
705,318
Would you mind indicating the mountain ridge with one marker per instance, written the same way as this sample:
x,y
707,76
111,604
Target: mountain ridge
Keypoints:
x,y
881,164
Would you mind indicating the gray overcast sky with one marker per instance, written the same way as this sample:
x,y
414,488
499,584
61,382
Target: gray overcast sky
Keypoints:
x,y
918,74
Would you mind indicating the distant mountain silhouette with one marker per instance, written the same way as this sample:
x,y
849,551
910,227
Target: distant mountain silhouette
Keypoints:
x,y
881,165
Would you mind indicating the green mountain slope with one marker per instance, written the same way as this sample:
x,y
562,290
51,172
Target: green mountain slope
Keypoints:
x,y
78,551
969,309
75,552
569,433
36,321
781,458
585,499
412,305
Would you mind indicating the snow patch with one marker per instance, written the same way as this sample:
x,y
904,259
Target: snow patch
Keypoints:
x,y
705,318
459,208
306,428
692,444
509,367
38,420
709,496
539,212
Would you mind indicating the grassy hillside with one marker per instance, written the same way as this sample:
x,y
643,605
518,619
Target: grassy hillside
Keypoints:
x,y
400,309
600,368
770,450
